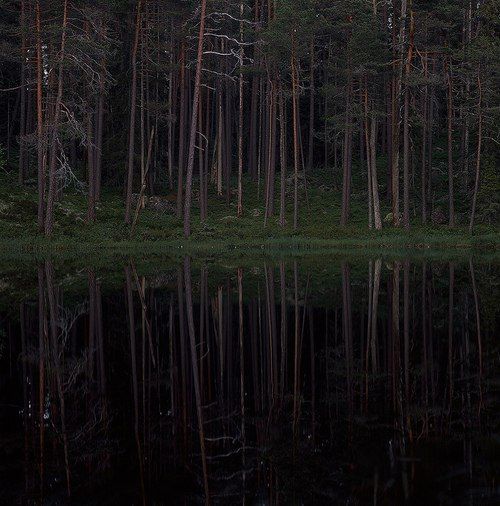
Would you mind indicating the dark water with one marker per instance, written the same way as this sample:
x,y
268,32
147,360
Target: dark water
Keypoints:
x,y
318,381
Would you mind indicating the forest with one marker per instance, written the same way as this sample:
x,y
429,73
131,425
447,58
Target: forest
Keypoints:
x,y
341,113
249,252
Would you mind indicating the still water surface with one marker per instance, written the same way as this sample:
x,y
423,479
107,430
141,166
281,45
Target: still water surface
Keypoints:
x,y
318,381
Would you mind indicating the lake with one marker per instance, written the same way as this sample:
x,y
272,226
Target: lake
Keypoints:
x,y
331,379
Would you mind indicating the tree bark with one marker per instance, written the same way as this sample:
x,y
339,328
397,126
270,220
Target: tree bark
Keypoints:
x,y
39,127
133,97
194,120
295,140
49,212
310,157
478,155
451,206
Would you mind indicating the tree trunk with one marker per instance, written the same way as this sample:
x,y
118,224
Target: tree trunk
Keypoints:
x,y
310,157
49,213
423,160
373,167
194,120
396,116
282,157
478,155
451,206
131,136
406,135
39,127
346,163
22,121
240,119
295,140
182,134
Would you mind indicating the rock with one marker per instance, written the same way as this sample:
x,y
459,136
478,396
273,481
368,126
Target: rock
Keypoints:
x,y
155,203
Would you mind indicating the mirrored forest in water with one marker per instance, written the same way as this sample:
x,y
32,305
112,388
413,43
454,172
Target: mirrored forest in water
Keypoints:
x,y
360,381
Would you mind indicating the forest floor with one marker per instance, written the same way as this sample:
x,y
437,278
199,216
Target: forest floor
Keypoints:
x,y
159,232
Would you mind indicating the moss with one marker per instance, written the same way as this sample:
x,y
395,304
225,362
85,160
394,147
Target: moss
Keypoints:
x,y
223,232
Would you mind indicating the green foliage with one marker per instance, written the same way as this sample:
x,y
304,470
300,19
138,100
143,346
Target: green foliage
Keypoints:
x,y
295,23
223,231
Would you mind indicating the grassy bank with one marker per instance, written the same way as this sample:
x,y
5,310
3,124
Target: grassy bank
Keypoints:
x,y
223,233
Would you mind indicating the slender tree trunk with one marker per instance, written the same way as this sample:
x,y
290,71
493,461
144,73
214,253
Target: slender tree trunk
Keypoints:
x,y
22,121
39,114
170,150
182,133
133,99
271,150
478,155
406,134
90,168
194,121
295,139
423,160
282,156
99,135
49,213
346,163
373,167
310,157
366,129
396,118
240,118
451,206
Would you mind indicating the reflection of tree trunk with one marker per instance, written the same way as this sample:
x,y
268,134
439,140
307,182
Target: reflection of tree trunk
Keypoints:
x,y
424,341
406,326
283,329
242,370
171,362
478,320
26,379
347,334
42,333
395,331
296,378
196,376
53,322
368,325
271,320
180,297
145,320
131,324
450,331
376,288
313,377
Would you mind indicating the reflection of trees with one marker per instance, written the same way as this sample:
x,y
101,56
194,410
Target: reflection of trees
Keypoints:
x,y
241,381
